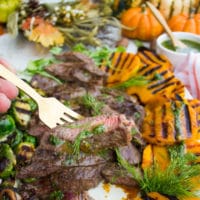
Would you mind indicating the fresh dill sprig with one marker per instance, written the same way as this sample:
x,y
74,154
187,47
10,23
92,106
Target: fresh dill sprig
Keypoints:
x,y
91,102
175,180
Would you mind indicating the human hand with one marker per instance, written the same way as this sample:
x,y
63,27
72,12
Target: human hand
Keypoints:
x,y
7,91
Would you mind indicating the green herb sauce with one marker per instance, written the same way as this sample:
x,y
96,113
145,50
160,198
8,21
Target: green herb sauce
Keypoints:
x,y
192,46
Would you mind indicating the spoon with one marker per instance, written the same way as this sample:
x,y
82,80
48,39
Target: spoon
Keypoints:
x,y
177,44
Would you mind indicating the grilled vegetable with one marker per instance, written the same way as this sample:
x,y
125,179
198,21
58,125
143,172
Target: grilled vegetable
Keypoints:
x,y
146,75
21,111
169,123
9,194
141,24
7,127
25,151
153,154
7,161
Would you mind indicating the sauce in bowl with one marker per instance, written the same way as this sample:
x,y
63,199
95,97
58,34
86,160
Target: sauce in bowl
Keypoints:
x,y
192,46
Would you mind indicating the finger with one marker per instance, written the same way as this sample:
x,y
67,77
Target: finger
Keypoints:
x,y
4,103
7,65
8,89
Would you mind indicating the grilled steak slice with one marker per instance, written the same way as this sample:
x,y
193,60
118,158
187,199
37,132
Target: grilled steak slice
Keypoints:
x,y
76,57
67,91
131,154
122,103
42,82
111,124
42,188
78,179
77,67
69,175
43,163
114,174
107,140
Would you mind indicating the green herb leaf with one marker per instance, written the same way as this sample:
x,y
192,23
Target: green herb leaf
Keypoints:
x,y
90,102
100,54
130,168
55,140
56,50
82,135
56,195
176,179
133,81
38,67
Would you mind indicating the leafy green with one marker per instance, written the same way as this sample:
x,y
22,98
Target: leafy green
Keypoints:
x,y
82,135
133,81
55,140
38,67
175,180
91,102
130,168
56,195
85,134
99,55
138,43
56,50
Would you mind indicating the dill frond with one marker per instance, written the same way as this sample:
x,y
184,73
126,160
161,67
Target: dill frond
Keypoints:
x,y
176,180
92,103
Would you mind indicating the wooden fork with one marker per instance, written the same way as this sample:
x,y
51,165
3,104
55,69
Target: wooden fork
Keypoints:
x,y
51,111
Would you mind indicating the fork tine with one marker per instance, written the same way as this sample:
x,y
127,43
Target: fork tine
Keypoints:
x,y
60,122
66,118
71,113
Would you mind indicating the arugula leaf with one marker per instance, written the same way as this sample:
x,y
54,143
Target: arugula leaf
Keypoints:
x,y
92,103
99,55
56,50
38,67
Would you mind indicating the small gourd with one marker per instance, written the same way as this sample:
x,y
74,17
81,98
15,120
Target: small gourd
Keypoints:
x,y
186,23
141,24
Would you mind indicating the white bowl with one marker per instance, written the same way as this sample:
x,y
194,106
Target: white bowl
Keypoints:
x,y
175,57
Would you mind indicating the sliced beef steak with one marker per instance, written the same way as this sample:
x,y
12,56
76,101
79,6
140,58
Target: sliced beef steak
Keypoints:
x,y
42,82
77,67
131,154
111,123
78,179
114,174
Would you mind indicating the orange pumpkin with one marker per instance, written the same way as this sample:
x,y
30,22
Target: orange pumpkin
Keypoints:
x,y
186,23
141,24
